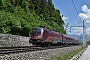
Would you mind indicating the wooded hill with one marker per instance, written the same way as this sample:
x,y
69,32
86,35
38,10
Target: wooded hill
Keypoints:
x,y
20,16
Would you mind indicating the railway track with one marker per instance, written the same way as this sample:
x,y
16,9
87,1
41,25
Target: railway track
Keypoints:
x,y
12,50
9,50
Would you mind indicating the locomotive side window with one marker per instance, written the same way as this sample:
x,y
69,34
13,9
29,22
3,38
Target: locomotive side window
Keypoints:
x,y
45,32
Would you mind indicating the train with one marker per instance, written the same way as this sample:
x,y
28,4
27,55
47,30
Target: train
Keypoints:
x,y
45,37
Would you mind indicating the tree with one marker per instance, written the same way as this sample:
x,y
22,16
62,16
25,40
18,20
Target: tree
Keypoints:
x,y
20,16
88,42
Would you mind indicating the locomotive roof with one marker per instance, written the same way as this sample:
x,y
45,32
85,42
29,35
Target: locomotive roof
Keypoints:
x,y
47,29
40,28
55,32
50,30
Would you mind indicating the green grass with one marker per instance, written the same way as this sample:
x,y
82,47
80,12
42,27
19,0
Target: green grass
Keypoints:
x,y
66,56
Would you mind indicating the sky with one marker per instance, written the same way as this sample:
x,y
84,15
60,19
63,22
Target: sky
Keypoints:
x,y
71,17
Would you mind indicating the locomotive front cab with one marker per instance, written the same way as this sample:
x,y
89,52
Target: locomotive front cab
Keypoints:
x,y
36,33
36,36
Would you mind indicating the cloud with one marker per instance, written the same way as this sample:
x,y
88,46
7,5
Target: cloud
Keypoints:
x,y
78,34
78,30
88,30
85,15
85,9
64,18
88,21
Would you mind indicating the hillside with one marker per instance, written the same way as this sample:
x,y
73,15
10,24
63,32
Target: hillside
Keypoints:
x,y
20,16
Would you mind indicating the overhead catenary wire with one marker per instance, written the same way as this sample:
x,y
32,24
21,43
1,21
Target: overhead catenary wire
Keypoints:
x,y
75,7
76,10
84,29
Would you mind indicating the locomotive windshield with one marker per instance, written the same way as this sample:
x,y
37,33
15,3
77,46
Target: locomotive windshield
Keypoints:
x,y
36,31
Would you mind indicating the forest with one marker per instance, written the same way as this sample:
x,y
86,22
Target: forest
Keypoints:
x,y
18,17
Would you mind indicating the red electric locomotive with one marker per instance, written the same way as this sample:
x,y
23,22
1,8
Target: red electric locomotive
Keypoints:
x,y
43,36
